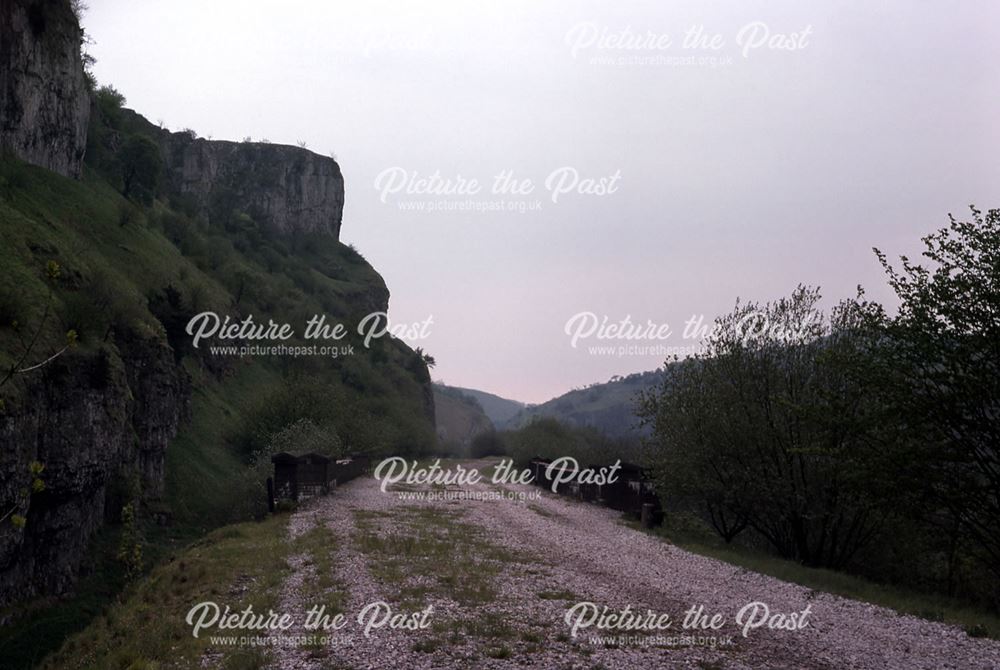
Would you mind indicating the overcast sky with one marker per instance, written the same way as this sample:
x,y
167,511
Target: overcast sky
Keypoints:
x,y
777,153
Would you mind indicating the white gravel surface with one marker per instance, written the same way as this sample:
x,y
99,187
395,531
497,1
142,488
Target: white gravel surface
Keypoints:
x,y
574,552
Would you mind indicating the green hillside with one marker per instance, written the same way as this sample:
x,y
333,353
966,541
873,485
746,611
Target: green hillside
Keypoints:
x,y
608,407
499,410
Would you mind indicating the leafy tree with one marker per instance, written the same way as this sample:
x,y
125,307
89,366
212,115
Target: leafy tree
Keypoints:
x,y
944,371
110,103
427,359
773,429
300,410
174,312
141,166
28,341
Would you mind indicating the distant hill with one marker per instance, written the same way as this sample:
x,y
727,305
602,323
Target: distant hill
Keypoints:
x,y
500,410
459,418
608,407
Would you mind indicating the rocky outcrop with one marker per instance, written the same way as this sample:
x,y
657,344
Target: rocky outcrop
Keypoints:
x,y
288,189
160,393
459,420
100,424
44,98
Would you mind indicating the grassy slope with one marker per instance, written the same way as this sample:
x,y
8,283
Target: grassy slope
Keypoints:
x,y
195,469
237,565
45,217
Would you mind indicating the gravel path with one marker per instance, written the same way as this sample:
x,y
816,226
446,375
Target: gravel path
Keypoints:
x,y
502,603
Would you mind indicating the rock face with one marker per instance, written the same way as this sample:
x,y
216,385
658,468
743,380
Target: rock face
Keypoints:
x,y
44,99
458,422
288,189
100,424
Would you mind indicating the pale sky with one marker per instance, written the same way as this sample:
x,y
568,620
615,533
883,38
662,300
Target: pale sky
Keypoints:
x,y
742,170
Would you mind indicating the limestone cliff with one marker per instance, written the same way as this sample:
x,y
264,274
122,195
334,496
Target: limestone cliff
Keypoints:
x,y
289,189
459,419
94,422
44,99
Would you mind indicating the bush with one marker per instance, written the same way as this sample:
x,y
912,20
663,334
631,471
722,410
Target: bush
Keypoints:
x,y
776,430
488,443
128,214
81,314
943,374
13,308
101,306
110,103
141,166
548,438
299,437
304,436
307,403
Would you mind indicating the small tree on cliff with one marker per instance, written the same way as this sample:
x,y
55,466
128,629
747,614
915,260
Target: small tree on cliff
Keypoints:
x,y
29,341
141,167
